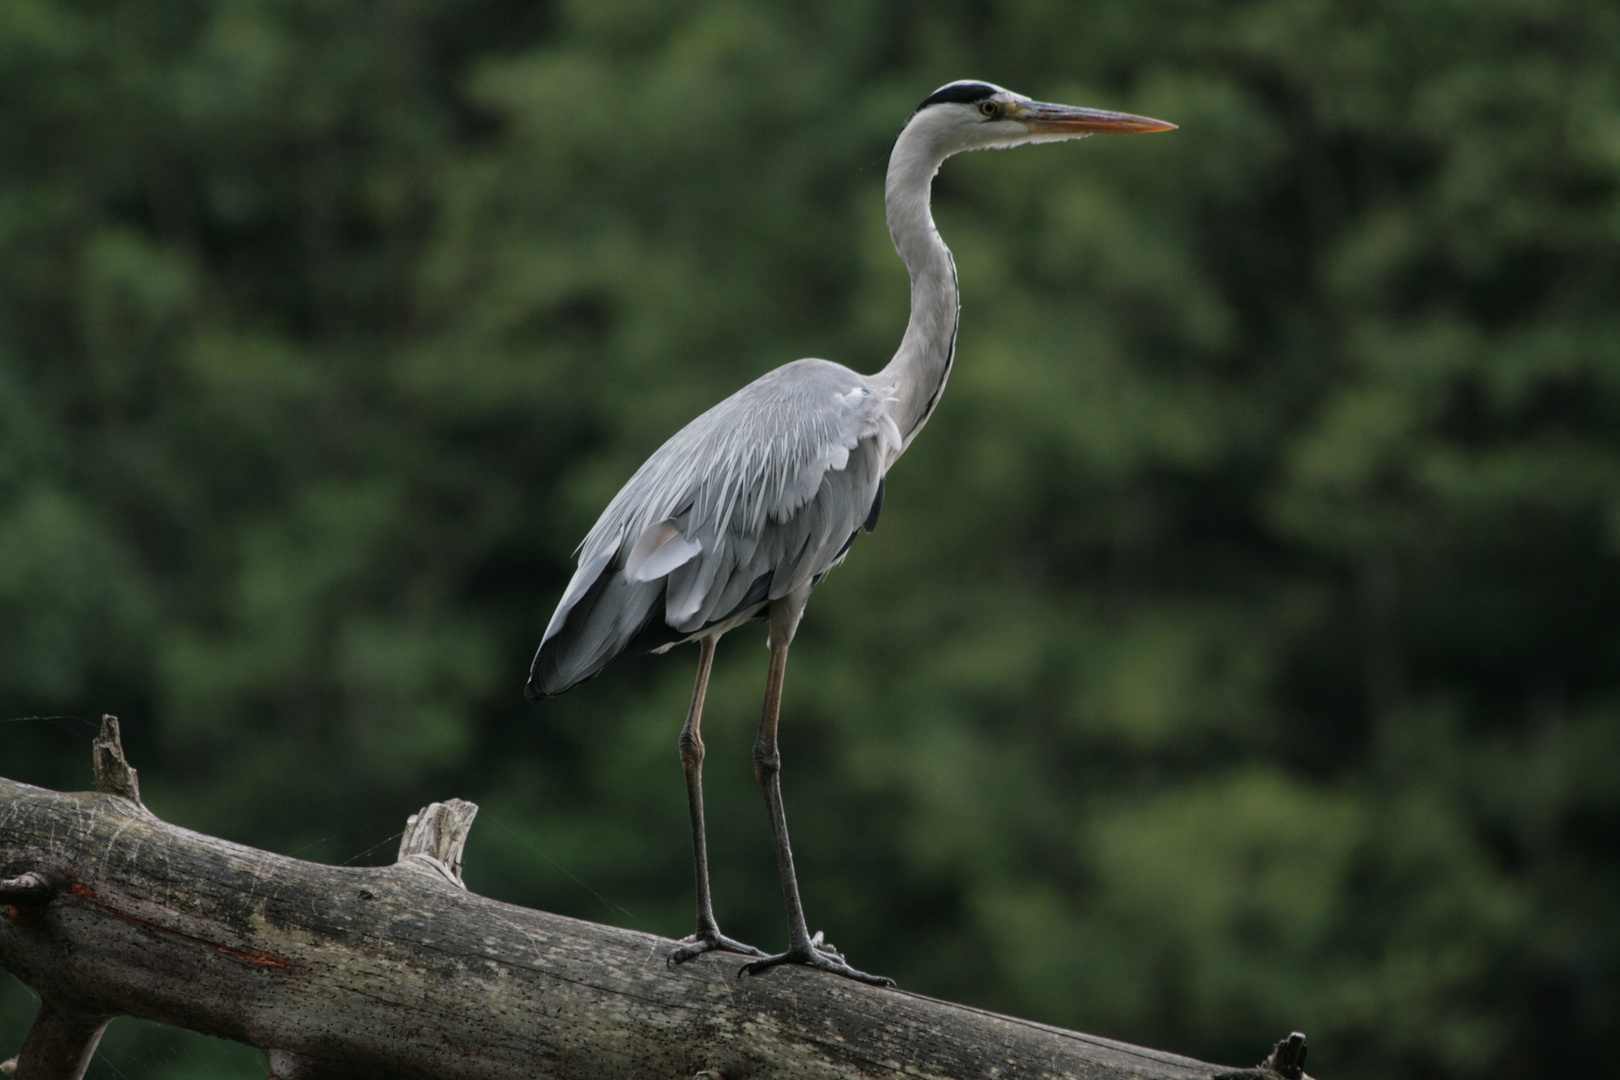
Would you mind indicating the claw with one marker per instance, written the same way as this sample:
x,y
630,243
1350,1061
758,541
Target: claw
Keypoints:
x,y
817,954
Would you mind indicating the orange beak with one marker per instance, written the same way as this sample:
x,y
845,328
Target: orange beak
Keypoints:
x,y
1041,118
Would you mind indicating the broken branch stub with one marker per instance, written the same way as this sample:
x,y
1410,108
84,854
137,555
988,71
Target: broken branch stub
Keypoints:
x,y
60,1044
114,774
1285,1062
435,837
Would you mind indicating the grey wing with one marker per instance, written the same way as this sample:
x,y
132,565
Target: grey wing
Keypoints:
x,y
756,498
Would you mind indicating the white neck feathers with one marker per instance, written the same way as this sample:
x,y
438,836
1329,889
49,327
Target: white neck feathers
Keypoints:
x,y
916,376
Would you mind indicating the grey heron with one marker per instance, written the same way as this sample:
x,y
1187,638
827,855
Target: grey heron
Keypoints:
x,y
743,511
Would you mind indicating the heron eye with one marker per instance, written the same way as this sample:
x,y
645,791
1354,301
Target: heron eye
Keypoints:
x,y
989,108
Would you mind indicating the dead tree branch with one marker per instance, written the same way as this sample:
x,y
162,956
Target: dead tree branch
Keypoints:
x,y
399,972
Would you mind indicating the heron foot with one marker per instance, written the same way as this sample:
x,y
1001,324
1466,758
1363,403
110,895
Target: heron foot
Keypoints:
x,y
696,944
816,953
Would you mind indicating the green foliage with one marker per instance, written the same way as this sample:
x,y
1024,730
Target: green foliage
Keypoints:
x,y
1237,651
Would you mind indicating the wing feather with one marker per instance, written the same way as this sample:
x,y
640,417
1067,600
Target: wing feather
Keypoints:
x,y
660,551
768,486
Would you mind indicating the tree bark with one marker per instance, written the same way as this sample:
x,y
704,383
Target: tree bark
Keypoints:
x,y
400,972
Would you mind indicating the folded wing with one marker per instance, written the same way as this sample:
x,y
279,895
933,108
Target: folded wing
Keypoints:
x,y
757,497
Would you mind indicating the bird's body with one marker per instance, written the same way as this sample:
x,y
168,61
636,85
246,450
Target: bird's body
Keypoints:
x,y
754,500
743,511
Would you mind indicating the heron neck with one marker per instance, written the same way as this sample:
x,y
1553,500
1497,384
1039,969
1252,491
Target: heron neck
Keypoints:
x,y
921,365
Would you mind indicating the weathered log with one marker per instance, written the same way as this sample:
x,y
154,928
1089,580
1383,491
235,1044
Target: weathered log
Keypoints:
x,y
400,972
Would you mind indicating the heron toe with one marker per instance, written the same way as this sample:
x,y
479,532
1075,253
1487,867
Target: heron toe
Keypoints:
x,y
703,941
815,953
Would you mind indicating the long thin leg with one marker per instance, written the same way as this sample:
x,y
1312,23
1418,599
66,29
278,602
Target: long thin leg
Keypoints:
x,y
708,935
802,948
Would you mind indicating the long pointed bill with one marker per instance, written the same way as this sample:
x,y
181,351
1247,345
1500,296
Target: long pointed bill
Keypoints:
x,y
1043,119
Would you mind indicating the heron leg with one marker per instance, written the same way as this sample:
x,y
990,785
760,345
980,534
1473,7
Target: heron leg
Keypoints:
x,y
802,947
707,936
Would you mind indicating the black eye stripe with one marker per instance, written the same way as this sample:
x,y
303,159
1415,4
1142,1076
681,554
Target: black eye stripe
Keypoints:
x,y
962,93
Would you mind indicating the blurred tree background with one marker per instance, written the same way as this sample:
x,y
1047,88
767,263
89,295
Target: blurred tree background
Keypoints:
x,y
1238,650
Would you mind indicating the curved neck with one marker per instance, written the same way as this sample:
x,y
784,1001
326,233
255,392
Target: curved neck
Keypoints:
x,y
921,365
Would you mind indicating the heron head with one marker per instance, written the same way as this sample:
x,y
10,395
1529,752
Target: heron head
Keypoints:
x,y
973,115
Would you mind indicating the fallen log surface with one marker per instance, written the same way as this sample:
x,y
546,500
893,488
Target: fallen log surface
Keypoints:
x,y
399,972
